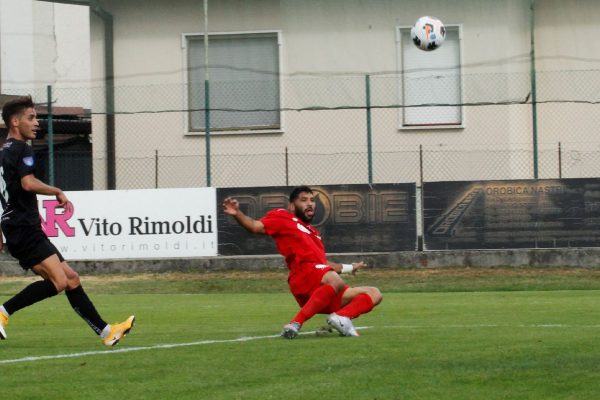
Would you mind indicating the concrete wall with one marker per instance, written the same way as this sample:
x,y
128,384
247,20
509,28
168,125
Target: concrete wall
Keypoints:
x,y
550,258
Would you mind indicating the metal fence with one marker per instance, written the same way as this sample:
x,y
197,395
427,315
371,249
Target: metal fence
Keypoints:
x,y
418,165
335,130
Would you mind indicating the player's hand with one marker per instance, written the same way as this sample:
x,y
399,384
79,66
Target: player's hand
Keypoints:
x,y
358,265
231,206
64,202
68,207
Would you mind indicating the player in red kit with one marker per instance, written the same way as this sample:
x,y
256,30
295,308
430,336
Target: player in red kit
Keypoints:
x,y
314,281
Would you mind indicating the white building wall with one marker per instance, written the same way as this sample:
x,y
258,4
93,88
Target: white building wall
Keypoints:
x,y
16,47
568,65
45,44
327,40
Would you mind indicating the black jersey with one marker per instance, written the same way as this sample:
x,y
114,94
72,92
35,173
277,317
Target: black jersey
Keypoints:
x,y
19,206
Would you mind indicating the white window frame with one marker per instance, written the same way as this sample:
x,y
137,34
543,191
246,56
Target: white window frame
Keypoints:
x,y
400,67
186,80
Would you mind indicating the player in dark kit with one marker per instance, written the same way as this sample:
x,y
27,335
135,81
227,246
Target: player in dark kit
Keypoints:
x,y
314,281
21,225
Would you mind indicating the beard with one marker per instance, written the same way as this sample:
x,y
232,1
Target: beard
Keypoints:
x,y
302,216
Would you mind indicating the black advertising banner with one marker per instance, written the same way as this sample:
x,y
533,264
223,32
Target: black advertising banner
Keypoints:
x,y
512,214
350,218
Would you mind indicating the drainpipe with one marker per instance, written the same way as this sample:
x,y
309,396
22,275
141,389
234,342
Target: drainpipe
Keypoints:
x,y
109,80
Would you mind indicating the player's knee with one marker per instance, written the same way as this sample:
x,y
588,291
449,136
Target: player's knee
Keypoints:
x,y
334,280
376,295
338,285
73,281
60,283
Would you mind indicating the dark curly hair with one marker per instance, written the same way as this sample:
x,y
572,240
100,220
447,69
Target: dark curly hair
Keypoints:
x,y
297,190
15,107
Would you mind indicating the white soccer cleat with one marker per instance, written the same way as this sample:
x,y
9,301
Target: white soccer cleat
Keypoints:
x,y
290,330
342,324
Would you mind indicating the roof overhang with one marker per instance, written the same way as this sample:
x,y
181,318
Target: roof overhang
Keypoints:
x,y
74,2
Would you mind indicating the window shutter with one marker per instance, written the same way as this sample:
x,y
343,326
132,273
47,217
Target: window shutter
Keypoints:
x,y
431,77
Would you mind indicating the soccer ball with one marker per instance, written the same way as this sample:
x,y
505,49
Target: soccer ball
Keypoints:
x,y
428,33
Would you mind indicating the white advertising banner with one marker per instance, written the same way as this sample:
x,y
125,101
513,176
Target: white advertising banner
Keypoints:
x,y
153,223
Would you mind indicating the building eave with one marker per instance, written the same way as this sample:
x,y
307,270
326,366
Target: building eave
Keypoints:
x,y
73,2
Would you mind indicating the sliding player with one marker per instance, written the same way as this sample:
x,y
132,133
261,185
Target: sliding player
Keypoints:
x,y
314,281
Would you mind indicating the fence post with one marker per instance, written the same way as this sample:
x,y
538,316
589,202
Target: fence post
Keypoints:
x,y
206,96
421,164
559,161
156,169
287,168
207,130
50,138
369,142
533,88
420,205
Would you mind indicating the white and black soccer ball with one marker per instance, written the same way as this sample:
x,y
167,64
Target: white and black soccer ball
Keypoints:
x,y
428,33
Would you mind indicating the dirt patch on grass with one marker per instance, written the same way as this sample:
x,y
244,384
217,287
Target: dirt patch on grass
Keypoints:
x,y
387,280
166,276
469,272
369,273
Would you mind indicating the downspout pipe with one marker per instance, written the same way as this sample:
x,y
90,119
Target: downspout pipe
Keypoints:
x,y
109,80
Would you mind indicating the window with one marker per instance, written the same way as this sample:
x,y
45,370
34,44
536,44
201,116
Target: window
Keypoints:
x,y
244,81
431,77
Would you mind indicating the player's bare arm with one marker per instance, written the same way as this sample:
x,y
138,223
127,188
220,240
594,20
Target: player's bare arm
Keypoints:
x,y
232,207
344,268
30,183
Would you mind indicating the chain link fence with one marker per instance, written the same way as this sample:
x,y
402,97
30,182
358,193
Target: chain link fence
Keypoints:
x,y
339,130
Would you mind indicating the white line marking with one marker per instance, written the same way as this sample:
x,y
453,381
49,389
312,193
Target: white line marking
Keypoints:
x,y
252,338
467,326
158,346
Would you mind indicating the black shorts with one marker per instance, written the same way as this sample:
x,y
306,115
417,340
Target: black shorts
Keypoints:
x,y
29,244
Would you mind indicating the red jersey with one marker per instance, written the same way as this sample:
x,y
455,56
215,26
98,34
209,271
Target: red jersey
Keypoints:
x,y
300,243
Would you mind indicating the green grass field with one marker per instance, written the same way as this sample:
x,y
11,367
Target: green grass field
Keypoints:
x,y
439,334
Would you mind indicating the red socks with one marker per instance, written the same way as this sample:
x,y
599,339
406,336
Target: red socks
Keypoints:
x,y
359,305
317,302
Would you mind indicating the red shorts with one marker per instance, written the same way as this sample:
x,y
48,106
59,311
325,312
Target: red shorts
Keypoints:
x,y
308,279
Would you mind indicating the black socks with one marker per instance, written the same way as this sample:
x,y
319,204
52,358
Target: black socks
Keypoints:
x,y
37,291
83,306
